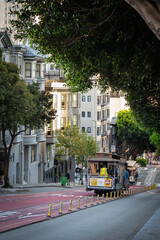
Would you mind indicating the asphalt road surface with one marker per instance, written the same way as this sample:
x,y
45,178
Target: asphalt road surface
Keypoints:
x,y
124,219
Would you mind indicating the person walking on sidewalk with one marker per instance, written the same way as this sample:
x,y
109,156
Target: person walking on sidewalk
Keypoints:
x,y
126,179
68,178
136,176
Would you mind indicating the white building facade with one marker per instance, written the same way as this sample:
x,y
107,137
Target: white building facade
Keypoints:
x,y
27,158
67,106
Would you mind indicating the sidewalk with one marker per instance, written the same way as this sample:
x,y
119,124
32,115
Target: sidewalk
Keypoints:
x,y
151,229
18,188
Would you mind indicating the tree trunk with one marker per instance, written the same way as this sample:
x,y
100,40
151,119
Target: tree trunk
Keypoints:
x,y
150,12
69,160
7,150
6,169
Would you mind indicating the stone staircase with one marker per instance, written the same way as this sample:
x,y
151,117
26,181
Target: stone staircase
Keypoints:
x,y
149,175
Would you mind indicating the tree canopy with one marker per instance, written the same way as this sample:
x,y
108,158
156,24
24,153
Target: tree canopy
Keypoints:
x,y
73,143
108,38
19,106
135,139
155,140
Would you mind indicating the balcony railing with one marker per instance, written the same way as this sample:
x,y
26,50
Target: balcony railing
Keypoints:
x,y
18,138
104,119
103,134
41,137
30,139
50,137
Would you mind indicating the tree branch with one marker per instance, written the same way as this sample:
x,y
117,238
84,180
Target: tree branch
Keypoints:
x,y
75,40
149,11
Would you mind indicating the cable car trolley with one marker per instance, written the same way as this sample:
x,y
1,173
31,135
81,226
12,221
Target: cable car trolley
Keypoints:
x,y
105,173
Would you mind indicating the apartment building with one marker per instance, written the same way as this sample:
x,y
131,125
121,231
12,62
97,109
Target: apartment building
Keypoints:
x,y
5,17
99,114
67,106
95,115
27,158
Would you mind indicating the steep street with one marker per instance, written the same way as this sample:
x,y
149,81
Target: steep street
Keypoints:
x,y
133,217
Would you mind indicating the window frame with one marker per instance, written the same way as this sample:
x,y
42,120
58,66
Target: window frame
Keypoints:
x,y
88,129
38,70
89,114
83,98
89,98
83,129
83,114
28,70
33,154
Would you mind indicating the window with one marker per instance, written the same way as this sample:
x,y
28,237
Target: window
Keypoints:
x,y
104,99
99,116
108,112
108,98
33,154
20,64
13,59
98,100
49,150
83,98
49,129
103,114
93,168
38,70
83,114
63,101
29,131
55,100
75,100
98,131
63,121
104,128
51,67
89,129
28,70
89,98
83,129
88,114
75,120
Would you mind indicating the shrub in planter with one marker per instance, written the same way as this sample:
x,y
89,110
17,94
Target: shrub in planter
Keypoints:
x,y
142,162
